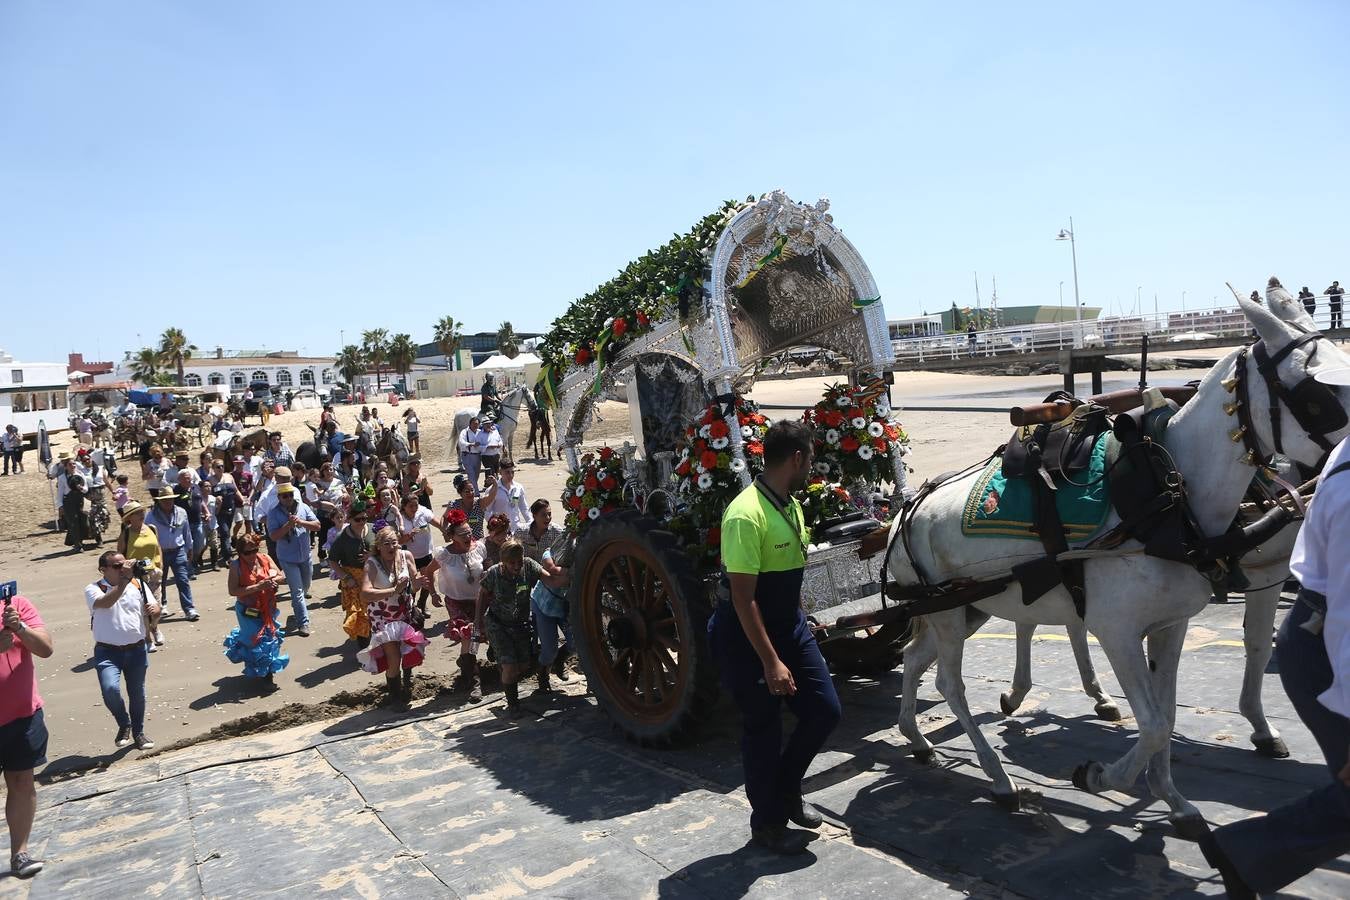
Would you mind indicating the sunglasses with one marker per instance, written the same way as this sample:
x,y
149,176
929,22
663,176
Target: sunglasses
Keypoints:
x,y
121,565
248,552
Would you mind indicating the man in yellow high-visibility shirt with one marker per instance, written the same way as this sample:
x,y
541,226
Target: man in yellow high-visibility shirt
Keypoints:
x,y
764,645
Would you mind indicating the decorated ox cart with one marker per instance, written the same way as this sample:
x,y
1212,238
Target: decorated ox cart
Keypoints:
x,y
682,334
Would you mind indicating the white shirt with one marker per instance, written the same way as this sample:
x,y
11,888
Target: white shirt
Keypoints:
x,y
1320,564
461,574
171,476
510,502
122,623
470,441
267,498
491,441
417,526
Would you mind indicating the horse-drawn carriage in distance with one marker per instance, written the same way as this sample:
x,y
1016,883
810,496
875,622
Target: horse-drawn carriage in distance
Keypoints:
x,y
682,334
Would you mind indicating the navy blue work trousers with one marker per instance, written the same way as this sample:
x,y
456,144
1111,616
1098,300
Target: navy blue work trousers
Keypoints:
x,y
1287,843
774,771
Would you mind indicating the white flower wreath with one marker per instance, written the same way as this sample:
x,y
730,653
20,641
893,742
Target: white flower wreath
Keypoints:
x,y
580,490
832,437
858,422
593,512
720,443
738,465
876,429
865,451
705,481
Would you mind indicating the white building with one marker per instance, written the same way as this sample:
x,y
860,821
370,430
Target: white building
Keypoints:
x,y
283,370
30,392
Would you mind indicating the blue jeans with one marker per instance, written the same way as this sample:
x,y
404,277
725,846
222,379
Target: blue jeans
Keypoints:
x,y
297,579
774,772
1287,843
472,463
112,664
546,627
176,562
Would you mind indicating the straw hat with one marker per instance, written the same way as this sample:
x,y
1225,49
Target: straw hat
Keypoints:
x,y
132,506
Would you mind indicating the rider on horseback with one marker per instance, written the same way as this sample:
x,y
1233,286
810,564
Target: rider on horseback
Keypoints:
x,y
491,404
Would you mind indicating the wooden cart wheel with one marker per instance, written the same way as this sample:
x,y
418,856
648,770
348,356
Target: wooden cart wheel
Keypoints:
x,y
639,620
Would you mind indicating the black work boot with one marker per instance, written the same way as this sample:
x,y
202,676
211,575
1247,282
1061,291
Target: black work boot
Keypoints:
x,y
779,839
800,813
407,684
544,686
560,665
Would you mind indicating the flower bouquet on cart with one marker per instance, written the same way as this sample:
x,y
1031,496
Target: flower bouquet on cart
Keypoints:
x,y
708,477
594,489
858,441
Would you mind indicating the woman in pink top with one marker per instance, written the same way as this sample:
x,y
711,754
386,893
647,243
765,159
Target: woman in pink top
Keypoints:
x,y
23,733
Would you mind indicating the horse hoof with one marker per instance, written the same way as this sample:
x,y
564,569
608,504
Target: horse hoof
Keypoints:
x,y
1190,828
1010,802
1107,712
1005,703
1086,774
1271,747
923,757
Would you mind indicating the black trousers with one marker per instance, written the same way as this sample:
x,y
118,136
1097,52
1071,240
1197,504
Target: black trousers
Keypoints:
x,y
774,771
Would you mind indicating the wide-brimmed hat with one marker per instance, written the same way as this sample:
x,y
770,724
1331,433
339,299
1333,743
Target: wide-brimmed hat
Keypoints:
x,y
132,506
282,472
1336,376
62,456
347,437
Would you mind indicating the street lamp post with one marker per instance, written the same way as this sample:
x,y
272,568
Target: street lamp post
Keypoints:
x,y
1061,299
1066,234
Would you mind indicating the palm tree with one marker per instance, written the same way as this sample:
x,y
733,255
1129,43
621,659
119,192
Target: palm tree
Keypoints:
x,y
350,363
508,344
448,338
174,348
375,347
145,365
402,355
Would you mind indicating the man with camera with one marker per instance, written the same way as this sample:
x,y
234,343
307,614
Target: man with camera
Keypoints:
x,y
119,603
23,733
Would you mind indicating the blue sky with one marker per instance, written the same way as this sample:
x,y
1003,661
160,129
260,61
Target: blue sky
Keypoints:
x,y
262,173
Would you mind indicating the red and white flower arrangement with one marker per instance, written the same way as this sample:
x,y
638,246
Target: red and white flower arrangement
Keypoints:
x,y
708,476
857,436
594,489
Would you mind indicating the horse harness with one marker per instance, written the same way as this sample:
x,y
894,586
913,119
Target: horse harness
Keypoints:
x,y
1146,490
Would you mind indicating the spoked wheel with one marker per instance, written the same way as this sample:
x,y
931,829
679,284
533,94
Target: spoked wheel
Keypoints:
x,y
639,619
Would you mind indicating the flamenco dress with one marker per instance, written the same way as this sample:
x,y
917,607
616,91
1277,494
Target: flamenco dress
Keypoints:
x,y
391,620
257,641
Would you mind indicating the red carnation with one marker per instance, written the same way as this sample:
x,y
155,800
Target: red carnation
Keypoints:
x,y
608,483
683,468
879,444
833,418
620,326
592,482
606,454
454,517
755,448
642,319
709,460
718,429
848,444
575,502
583,356
700,445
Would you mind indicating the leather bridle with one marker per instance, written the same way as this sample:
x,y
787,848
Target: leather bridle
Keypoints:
x,y
1316,407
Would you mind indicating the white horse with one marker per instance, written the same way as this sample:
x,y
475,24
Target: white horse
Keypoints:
x,y
511,403
1266,567
1131,598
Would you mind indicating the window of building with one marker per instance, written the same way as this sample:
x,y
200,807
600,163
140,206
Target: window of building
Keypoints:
x,y
423,386
59,400
238,380
16,376
192,379
307,378
284,378
21,403
327,376
215,378
259,376
42,401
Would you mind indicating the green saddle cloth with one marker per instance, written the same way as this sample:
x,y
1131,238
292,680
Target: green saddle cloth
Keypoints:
x,y
1000,507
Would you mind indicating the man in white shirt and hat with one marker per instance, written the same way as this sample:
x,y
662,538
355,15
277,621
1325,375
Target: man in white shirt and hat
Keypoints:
x,y
1265,853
